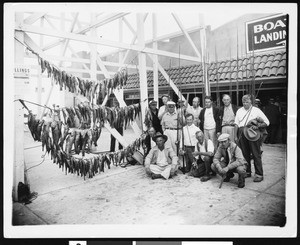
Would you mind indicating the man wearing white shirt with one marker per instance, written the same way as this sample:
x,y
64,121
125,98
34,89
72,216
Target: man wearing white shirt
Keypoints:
x,y
163,109
204,155
243,116
210,121
188,141
195,110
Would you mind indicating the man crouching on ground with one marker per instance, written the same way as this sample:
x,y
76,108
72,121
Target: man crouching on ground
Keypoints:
x,y
161,161
228,159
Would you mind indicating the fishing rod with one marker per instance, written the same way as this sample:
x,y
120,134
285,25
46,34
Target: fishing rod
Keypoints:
x,y
181,112
230,82
217,74
237,67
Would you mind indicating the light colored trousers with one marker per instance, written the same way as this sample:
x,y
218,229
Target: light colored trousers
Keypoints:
x,y
211,134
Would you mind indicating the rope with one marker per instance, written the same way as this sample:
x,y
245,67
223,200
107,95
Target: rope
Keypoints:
x,y
43,156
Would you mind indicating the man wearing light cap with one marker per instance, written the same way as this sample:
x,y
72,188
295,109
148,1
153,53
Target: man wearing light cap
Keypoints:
x,y
195,110
229,159
164,108
151,117
171,124
161,162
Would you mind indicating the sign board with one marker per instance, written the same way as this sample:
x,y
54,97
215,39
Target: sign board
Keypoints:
x,y
266,34
21,71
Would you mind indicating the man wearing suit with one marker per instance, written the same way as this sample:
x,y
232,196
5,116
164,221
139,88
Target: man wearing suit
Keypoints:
x,y
227,116
273,114
210,121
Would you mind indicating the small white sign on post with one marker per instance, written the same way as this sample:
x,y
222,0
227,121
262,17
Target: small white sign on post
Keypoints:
x,y
21,71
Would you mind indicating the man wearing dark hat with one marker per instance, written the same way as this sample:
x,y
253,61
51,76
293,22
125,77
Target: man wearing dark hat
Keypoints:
x,y
161,162
164,108
229,159
171,124
153,117
249,135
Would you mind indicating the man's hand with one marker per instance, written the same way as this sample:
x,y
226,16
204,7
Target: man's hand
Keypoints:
x,y
181,152
224,170
196,153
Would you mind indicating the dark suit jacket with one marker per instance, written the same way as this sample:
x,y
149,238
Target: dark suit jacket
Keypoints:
x,y
234,108
147,143
272,113
156,122
216,117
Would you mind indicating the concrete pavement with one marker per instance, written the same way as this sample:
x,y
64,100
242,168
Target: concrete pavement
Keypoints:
x,y
128,196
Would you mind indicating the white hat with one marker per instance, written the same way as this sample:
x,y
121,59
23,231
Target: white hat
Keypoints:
x,y
171,103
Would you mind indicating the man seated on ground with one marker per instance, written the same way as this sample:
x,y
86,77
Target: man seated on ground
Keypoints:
x,y
204,154
228,159
161,162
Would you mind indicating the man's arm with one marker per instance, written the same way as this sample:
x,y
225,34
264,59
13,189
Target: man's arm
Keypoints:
x,y
173,156
239,159
148,159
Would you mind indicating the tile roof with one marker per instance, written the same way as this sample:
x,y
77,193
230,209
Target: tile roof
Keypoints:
x,y
265,65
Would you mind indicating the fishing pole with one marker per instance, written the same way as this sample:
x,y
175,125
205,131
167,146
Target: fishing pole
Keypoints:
x,y
237,67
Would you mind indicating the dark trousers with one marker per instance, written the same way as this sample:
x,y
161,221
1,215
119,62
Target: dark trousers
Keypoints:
x,y
113,140
203,167
189,157
248,148
272,133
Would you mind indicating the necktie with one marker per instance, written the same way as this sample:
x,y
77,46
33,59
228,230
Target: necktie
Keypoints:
x,y
227,156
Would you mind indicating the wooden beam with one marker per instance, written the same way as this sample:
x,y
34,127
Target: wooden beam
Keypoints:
x,y
95,24
166,76
50,23
186,35
74,53
155,59
33,18
82,38
142,69
116,134
66,19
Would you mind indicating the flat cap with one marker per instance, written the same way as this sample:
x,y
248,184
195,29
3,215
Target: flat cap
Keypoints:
x,y
223,137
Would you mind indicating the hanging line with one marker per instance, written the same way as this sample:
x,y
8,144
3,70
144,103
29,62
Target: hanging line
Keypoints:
x,y
169,77
217,74
22,102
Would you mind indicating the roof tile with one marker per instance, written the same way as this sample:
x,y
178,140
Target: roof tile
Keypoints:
x,y
264,58
282,63
278,57
268,64
273,71
258,73
275,63
281,71
265,72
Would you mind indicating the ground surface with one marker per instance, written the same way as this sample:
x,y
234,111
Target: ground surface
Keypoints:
x,y
127,196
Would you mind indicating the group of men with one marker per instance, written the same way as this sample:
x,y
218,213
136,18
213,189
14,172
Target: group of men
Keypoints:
x,y
205,141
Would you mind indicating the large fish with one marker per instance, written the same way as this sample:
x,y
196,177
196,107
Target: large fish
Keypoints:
x,y
69,142
77,142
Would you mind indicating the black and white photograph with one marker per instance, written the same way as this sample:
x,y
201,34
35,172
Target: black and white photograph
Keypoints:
x,y
150,120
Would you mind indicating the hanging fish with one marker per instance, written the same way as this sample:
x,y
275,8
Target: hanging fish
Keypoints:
x,y
77,144
70,141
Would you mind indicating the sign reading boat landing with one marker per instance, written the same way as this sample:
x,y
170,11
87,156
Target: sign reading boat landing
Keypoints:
x,y
266,33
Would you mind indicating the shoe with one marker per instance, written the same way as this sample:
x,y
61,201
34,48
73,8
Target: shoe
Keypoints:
x,y
156,176
248,175
205,178
229,176
258,178
213,173
241,181
182,169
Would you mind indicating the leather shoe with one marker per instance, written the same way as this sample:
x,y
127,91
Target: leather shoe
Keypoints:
x,y
229,176
205,178
258,178
248,175
241,181
156,176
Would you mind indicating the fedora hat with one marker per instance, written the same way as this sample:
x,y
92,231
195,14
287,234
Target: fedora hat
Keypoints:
x,y
251,134
157,135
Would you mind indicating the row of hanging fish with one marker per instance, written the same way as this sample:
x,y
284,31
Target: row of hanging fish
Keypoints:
x,y
89,89
83,115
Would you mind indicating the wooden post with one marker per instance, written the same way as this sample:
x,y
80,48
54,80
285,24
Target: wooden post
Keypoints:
x,y
18,171
142,67
155,59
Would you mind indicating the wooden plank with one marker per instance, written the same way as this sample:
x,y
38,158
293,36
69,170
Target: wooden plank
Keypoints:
x,y
155,59
82,38
186,34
